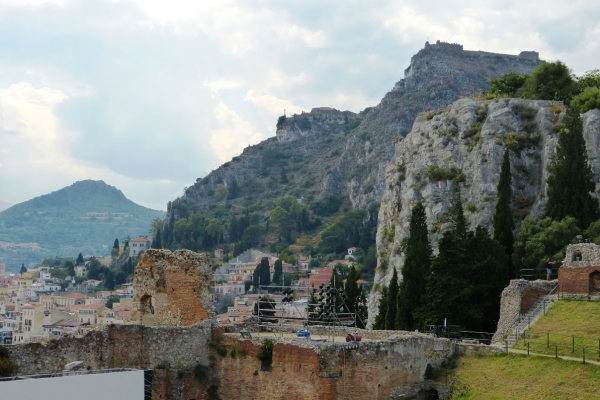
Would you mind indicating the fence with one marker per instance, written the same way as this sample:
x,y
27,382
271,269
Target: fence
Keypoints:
x,y
531,274
555,344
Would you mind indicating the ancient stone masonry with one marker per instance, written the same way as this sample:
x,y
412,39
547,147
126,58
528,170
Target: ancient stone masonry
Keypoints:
x,y
466,142
117,346
517,298
172,289
391,368
580,270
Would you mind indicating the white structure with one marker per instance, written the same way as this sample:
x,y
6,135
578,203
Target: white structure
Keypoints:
x,y
138,245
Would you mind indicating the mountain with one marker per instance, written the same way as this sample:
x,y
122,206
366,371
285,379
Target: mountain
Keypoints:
x,y
341,153
4,205
469,139
85,217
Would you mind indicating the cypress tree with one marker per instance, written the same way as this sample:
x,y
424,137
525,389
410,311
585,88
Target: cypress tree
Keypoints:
x,y
379,323
278,272
457,212
157,243
504,223
571,178
415,271
234,190
390,316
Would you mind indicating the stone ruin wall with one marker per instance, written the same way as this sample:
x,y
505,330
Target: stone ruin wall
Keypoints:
x,y
117,346
392,368
517,298
172,289
579,274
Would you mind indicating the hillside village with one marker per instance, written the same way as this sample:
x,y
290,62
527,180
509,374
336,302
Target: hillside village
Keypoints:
x,y
35,307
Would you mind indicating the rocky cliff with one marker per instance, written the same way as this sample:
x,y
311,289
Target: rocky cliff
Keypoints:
x,y
438,75
465,142
327,151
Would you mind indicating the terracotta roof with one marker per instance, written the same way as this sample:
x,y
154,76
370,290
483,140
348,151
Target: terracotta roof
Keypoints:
x,y
139,239
76,296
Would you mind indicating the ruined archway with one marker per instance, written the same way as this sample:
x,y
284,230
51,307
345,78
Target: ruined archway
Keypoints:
x,y
147,310
595,282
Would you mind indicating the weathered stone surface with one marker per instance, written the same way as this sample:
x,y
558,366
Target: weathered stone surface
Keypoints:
x,y
117,346
312,370
172,289
447,139
517,298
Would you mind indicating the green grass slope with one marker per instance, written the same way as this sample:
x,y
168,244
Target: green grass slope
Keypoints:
x,y
524,378
59,223
567,328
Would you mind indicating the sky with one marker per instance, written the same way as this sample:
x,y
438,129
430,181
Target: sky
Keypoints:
x,y
150,95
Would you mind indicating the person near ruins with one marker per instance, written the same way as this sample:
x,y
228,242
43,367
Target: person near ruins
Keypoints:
x,y
549,265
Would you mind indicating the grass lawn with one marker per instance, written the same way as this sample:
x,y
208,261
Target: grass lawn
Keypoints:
x,y
524,378
565,323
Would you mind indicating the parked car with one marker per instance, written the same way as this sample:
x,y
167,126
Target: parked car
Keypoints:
x,y
353,337
303,333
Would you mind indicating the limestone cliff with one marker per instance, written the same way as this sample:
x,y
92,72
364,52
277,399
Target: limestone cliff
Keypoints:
x,y
326,151
466,142
438,75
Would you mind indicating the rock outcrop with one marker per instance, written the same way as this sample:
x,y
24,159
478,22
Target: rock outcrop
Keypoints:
x,y
466,143
172,289
326,151
438,75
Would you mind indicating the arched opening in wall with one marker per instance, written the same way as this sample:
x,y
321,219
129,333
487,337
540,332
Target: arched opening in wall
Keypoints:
x,y
595,282
147,310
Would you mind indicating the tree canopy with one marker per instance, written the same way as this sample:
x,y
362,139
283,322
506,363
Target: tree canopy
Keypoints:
x,y
571,179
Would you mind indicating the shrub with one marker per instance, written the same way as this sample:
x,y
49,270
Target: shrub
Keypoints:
x,y
265,355
472,131
507,84
471,207
221,350
436,173
587,100
7,367
550,81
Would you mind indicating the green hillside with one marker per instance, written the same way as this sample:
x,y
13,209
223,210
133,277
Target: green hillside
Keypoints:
x,y
81,218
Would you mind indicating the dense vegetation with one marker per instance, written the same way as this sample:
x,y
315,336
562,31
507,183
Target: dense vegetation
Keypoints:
x,y
552,81
464,280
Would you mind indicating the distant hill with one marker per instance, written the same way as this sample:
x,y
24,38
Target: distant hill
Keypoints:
x,y
4,205
85,217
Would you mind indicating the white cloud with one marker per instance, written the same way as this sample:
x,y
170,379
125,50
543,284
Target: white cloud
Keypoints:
x,y
315,39
231,133
271,107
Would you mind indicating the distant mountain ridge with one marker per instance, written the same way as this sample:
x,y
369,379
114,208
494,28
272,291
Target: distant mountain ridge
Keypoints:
x,y
85,218
341,153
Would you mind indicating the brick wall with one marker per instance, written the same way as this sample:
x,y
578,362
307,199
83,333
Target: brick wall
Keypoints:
x,y
576,279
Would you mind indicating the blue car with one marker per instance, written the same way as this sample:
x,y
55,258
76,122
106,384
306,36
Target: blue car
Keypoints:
x,y
303,333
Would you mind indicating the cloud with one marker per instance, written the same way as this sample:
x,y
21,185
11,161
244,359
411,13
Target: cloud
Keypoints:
x,y
231,134
151,94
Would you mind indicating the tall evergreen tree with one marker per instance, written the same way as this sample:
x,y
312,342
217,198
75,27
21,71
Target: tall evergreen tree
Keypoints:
x,y
457,212
379,322
234,190
504,224
390,316
157,243
278,271
416,268
80,260
571,178
116,244
262,273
